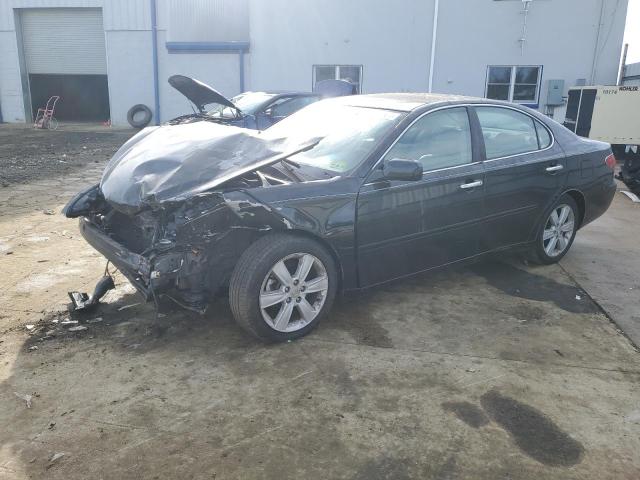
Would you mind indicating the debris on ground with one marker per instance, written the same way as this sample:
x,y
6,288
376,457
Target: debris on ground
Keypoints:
x,y
84,301
78,328
632,196
30,327
578,297
26,398
54,458
49,212
125,307
95,320
66,321
33,348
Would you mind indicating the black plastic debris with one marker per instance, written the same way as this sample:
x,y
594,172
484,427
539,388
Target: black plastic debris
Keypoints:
x,y
84,301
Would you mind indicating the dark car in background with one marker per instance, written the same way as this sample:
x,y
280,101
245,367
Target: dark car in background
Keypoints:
x,y
343,195
255,110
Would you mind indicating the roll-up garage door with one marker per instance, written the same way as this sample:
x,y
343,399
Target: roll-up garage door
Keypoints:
x,y
65,55
64,41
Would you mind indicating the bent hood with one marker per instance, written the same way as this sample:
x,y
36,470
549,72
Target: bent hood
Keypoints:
x,y
199,93
175,162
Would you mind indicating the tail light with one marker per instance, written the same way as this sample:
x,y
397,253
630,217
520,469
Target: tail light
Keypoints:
x,y
610,161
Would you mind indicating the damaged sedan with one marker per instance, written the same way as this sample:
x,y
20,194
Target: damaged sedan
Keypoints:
x,y
345,194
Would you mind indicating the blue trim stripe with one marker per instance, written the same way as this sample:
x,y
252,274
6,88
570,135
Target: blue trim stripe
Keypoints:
x,y
207,47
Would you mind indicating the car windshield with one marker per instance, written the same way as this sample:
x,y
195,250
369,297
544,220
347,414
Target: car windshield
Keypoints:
x,y
349,134
248,103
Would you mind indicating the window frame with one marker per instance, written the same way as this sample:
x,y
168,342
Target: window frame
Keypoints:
x,y
512,84
535,121
336,68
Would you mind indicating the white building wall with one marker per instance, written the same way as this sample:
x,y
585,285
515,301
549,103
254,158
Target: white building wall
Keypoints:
x,y
194,21
560,36
392,41
127,26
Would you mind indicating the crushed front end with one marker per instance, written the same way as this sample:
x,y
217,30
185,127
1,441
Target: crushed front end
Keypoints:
x,y
184,250
173,210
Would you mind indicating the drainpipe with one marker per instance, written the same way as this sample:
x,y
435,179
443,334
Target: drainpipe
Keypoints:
x,y
433,43
241,57
154,48
594,65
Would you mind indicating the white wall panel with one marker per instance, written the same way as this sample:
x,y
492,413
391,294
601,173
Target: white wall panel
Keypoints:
x,y
130,72
206,20
10,87
127,15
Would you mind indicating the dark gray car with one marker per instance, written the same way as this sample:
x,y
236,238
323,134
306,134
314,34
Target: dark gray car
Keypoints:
x,y
342,195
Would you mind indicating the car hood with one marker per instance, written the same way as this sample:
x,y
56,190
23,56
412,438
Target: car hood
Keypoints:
x,y
199,93
175,162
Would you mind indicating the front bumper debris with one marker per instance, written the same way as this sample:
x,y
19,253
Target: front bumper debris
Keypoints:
x,y
136,268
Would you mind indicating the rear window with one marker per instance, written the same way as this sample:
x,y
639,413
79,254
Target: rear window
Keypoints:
x,y
507,132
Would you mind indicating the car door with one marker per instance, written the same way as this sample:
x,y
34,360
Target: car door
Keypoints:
x,y
524,169
404,227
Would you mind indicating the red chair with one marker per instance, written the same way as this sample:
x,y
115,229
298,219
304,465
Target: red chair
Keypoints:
x,y
44,117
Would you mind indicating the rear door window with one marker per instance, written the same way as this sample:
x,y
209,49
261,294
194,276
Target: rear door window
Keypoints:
x,y
507,132
544,137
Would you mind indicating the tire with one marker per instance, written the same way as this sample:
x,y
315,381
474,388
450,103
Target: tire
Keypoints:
x,y
142,122
546,251
254,284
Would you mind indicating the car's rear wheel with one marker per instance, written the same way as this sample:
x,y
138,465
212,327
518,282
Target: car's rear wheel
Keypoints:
x,y
282,286
557,231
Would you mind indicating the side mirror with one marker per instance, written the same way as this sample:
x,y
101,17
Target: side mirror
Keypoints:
x,y
401,169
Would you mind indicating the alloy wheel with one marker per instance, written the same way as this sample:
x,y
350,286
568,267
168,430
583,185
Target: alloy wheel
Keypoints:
x,y
293,292
558,230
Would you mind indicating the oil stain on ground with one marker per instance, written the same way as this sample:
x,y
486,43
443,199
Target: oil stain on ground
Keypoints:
x,y
385,468
520,283
467,412
534,433
354,315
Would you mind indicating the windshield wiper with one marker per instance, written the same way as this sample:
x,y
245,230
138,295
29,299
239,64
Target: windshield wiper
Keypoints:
x,y
287,164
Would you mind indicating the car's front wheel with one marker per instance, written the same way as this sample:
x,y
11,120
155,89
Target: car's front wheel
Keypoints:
x,y
556,233
282,286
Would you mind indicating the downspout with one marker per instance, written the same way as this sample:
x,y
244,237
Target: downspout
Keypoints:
x,y
434,36
241,56
594,65
154,48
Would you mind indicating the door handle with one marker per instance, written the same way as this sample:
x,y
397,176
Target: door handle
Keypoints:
x,y
477,183
555,168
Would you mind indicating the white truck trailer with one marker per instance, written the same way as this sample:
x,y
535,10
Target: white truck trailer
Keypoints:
x,y
610,114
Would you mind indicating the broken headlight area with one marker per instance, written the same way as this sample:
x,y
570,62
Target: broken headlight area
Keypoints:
x,y
183,250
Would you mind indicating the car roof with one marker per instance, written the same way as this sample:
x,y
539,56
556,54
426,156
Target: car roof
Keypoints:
x,y
404,102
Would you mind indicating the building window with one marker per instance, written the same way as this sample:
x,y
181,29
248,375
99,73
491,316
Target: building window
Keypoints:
x,y
516,83
350,73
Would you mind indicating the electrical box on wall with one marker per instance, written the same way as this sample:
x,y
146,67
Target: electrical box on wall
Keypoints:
x,y
555,90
